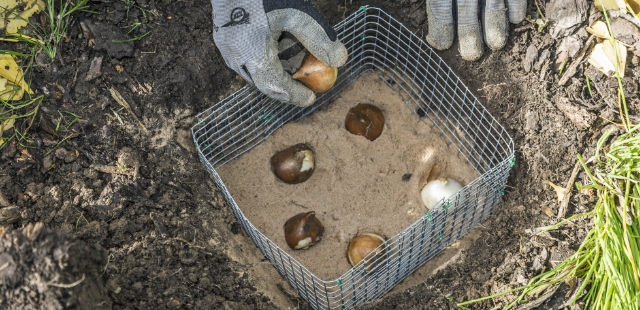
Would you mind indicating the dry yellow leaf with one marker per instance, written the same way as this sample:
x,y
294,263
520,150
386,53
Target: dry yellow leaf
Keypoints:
x,y
8,124
12,92
3,84
22,18
600,30
559,190
610,4
547,211
607,47
600,60
9,70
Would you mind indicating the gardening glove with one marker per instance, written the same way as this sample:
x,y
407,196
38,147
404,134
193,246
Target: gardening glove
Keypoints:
x,y
247,33
494,23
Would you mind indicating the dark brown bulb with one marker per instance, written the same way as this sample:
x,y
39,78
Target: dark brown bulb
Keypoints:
x,y
365,120
295,164
303,230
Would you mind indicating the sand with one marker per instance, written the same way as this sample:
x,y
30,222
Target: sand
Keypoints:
x,y
357,185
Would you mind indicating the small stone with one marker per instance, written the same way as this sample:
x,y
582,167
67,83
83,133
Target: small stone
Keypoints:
x,y
531,121
104,102
532,53
506,59
335,216
9,215
71,156
47,162
625,31
566,16
105,132
571,45
95,70
61,153
543,57
127,157
406,177
4,201
520,276
537,265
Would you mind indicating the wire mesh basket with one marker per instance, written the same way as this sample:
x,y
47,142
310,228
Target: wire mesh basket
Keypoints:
x,y
378,42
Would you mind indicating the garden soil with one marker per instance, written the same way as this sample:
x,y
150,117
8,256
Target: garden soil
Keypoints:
x,y
357,185
170,240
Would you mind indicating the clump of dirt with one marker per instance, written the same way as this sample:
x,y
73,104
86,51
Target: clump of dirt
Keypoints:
x,y
41,267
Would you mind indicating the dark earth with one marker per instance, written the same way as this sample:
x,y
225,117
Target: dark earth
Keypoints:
x,y
157,234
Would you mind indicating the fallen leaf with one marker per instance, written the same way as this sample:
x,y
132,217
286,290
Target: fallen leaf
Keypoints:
x,y
17,19
600,30
559,190
609,4
22,19
634,6
600,60
8,124
607,47
10,70
547,211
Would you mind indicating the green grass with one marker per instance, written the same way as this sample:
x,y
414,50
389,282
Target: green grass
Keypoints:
x,y
58,16
133,39
608,259
47,38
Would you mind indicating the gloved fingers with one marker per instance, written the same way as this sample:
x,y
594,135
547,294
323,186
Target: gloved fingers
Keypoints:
x,y
290,52
517,10
440,23
494,21
471,44
469,30
310,28
271,79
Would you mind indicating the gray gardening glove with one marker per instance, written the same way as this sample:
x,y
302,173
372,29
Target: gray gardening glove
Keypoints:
x,y
494,23
247,32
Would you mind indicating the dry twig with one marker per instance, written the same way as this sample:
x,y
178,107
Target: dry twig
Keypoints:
x,y
116,95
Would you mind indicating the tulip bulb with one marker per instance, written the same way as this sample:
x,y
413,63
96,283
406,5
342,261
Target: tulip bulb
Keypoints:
x,y
363,245
303,230
294,164
365,120
438,189
315,74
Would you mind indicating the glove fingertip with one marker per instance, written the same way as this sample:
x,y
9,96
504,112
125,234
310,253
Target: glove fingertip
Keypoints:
x,y
338,56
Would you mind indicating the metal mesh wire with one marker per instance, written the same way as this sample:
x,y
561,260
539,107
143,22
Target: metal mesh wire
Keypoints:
x,y
378,42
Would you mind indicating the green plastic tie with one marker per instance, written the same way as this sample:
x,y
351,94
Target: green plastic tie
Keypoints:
x,y
265,117
362,36
513,162
363,8
200,122
502,193
428,216
440,236
339,283
206,147
447,207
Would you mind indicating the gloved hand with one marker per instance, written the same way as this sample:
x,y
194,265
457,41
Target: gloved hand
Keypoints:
x,y
247,32
494,23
